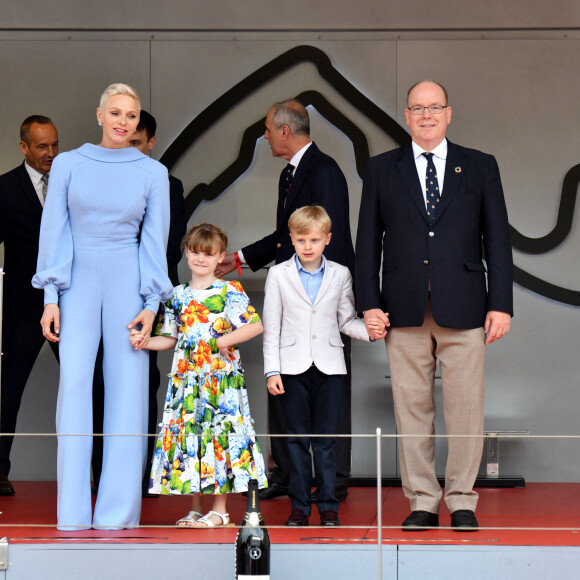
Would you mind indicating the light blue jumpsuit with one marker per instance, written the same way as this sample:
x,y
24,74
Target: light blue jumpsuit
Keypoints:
x,y
91,263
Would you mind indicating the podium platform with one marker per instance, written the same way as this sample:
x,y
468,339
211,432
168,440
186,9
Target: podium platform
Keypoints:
x,y
531,532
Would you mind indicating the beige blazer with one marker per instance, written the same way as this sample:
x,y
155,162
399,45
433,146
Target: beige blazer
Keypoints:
x,y
298,333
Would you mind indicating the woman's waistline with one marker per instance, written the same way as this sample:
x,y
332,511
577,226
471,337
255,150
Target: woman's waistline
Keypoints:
x,y
100,242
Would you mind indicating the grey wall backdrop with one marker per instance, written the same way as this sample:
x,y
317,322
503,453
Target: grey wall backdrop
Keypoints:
x,y
511,71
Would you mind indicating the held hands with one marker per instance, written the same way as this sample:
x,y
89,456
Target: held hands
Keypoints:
x,y
227,265
140,338
136,339
497,325
275,386
51,315
377,322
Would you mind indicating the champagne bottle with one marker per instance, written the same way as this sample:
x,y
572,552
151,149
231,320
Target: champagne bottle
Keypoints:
x,y
252,541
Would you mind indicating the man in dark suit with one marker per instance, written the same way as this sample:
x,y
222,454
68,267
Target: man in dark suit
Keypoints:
x,y
144,140
22,193
311,177
435,210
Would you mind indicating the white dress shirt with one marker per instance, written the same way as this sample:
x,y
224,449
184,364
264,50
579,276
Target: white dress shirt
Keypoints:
x,y
36,179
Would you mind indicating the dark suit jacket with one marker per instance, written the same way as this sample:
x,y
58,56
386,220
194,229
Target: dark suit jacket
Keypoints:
x,y
444,260
317,180
20,214
177,227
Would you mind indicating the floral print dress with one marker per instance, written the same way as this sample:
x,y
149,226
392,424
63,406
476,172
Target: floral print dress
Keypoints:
x,y
207,441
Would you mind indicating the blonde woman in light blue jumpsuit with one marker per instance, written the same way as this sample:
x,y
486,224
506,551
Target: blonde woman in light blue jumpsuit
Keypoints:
x,y
101,275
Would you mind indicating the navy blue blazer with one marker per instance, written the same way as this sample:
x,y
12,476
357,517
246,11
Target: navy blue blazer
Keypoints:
x,y
20,215
317,180
444,260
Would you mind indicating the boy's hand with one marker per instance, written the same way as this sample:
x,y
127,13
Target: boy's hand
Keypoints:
x,y
275,386
377,322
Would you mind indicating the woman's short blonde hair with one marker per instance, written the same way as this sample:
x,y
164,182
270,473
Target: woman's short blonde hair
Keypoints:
x,y
119,89
310,216
205,238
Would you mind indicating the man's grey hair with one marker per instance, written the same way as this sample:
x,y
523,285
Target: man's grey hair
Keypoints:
x,y
293,114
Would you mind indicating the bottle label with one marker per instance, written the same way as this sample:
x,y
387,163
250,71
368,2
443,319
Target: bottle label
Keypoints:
x,y
253,519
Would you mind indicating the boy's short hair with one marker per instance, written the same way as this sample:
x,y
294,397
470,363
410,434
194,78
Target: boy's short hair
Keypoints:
x,y
310,216
205,238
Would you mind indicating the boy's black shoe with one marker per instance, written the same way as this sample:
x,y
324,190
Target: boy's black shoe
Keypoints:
x,y
297,518
329,518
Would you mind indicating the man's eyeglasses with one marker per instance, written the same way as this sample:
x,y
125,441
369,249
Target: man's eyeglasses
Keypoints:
x,y
433,109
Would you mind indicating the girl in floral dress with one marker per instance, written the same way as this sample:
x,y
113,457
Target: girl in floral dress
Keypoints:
x,y
207,444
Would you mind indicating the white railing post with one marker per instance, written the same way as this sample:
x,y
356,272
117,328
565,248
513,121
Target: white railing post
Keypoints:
x,y
379,505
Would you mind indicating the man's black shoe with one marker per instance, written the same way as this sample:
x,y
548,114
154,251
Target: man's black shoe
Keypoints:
x,y
6,487
272,491
340,494
418,520
464,521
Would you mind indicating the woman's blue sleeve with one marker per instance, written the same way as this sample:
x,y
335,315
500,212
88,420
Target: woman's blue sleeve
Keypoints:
x,y
55,249
155,284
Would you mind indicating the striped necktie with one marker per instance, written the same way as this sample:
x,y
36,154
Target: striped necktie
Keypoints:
x,y
44,180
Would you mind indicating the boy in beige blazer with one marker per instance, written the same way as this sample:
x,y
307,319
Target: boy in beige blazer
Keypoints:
x,y
309,301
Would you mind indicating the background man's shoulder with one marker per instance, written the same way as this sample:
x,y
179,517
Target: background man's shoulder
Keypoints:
x,y
11,175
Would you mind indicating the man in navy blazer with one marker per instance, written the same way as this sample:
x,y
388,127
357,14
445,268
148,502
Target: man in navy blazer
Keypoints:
x,y
310,178
436,214
21,203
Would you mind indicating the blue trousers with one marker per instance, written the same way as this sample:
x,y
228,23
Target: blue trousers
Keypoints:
x,y
311,403
103,298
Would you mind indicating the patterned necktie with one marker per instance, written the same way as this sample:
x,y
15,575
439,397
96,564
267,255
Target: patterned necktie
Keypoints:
x,y
287,177
431,187
44,180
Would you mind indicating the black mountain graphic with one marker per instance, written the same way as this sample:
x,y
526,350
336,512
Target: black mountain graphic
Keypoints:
x,y
299,54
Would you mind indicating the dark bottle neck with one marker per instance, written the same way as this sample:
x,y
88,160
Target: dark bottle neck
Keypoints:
x,y
253,505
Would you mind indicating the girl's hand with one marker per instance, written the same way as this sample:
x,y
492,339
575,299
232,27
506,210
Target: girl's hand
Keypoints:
x,y
51,315
226,351
136,339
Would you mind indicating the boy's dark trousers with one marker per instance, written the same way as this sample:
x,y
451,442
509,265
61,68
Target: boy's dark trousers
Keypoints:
x,y
311,404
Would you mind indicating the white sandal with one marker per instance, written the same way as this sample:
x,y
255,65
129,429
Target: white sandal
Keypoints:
x,y
189,519
207,523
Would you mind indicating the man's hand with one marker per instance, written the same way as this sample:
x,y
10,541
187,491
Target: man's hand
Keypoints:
x,y
497,325
227,265
51,315
374,318
275,386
